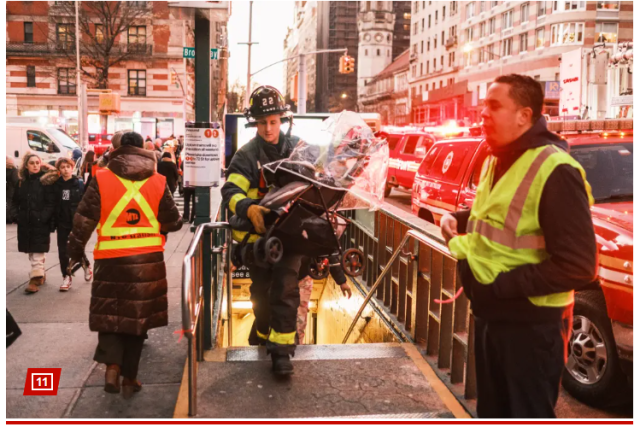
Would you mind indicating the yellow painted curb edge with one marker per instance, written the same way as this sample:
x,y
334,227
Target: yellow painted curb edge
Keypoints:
x,y
182,403
440,388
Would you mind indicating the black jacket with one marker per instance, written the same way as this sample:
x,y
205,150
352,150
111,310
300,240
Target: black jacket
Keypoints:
x,y
68,195
565,218
12,180
245,162
170,171
33,208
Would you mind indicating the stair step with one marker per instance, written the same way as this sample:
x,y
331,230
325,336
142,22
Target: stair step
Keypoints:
x,y
322,352
434,414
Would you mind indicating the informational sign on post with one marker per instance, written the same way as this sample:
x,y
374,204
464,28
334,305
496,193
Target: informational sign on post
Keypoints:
x,y
571,85
203,145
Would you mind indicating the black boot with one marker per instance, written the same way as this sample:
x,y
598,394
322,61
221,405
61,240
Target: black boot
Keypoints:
x,y
281,364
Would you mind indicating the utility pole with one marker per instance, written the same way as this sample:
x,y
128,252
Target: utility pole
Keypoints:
x,y
81,107
249,43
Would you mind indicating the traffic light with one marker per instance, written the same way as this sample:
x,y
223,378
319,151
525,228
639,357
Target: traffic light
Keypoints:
x,y
346,65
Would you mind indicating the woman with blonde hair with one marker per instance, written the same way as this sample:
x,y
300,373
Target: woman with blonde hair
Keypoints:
x,y
32,208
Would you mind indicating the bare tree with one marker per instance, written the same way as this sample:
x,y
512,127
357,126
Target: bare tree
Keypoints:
x,y
102,25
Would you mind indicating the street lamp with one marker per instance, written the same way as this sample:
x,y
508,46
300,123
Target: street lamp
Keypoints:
x,y
468,48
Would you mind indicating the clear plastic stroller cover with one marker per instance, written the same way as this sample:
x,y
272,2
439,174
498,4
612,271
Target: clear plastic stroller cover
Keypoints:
x,y
344,155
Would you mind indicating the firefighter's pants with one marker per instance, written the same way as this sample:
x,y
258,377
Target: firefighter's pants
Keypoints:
x,y
276,297
519,366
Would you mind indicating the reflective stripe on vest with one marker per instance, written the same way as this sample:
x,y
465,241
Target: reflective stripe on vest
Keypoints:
x,y
498,239
118,231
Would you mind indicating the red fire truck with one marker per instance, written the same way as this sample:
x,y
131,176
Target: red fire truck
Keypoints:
x,y
601,347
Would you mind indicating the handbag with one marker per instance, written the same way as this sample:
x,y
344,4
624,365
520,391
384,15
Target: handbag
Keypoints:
x,y
13,331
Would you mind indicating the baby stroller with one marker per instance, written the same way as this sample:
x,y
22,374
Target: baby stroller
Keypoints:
x,y
312,186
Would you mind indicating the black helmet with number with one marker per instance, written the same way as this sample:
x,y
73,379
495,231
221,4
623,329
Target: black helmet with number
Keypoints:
x,y
265,101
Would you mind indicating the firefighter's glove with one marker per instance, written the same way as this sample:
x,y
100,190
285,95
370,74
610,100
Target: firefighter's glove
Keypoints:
x,y
256,214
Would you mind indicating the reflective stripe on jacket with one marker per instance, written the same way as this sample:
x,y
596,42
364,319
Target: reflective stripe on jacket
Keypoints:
x,y
128,218
503,231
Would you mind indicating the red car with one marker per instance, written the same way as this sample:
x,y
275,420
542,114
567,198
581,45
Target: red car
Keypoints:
x,y
601,346
407,148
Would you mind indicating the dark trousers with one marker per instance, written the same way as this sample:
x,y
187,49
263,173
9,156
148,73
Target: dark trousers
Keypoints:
x,y
63,237
519,366
189,197
122,350
276,296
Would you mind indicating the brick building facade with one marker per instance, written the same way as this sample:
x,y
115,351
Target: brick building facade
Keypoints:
x,y
156,84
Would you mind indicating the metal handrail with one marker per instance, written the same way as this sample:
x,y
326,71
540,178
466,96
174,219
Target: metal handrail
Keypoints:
x,y
193,301
423,238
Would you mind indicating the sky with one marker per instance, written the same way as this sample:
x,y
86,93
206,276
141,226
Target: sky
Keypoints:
x,y
270,22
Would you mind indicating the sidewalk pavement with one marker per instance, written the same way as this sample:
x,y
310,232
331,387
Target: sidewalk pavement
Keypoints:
x,y
55,334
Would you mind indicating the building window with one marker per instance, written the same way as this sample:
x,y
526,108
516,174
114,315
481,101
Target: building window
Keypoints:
x,y
422,26
137,82
444,12
420,90
415,28
494,4
481,7
433,86
415,48
421,69
406,27
524,42
31,76
413,71
567,33
388,53
428,45
65,36
469,34
377,52
606,32
453,7
436,19
427,67
429,21
441,61
470,10
507,20
137,37
422,46
563,6
608,5
435,41
506,47
440,83
524,13
28,32
99,33
483,29
366,52
492,26
542,11
434,65
66,81
407,16
540,37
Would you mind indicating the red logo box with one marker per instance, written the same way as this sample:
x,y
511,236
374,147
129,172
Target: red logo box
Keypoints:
x,y
42,382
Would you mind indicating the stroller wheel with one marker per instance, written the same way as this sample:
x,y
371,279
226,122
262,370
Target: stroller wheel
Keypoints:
x,y
274,250
319,268
353,262
236,256
259,254
247,255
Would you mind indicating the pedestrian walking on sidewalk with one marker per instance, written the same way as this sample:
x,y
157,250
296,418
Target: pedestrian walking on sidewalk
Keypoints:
x,y
130,204
169,170
32,208
529,244
12,181
89,167
68,190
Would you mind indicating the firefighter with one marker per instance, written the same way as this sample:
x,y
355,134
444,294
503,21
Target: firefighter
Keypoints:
x,y
274,290
529,244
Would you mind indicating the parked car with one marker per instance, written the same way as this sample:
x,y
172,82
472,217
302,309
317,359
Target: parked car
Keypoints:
x,y
601,345
407,148
48,141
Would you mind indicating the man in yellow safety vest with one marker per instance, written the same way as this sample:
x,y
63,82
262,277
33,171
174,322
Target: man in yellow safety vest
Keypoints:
x,y
529,244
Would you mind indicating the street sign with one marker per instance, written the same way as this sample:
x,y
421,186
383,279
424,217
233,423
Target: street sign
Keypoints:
x,y
214,53
189,52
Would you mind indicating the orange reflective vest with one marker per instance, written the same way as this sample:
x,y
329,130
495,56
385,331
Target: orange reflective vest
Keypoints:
x,y
129,215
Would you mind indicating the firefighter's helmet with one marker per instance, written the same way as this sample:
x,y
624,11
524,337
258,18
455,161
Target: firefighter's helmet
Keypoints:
x,y
265,101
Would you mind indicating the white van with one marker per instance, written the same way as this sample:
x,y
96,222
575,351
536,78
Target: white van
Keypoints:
x,y
49,142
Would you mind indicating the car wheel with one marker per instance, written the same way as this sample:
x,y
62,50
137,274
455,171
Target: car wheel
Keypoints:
x,y
592,373
426,215
387,190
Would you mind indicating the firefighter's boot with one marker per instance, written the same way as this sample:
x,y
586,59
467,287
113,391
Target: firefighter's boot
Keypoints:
x,y
281,364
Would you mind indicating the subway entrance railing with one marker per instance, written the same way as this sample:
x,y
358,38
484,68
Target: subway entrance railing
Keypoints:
x,y
408,268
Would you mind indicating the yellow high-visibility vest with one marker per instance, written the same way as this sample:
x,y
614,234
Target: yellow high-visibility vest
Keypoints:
x,y
503,231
